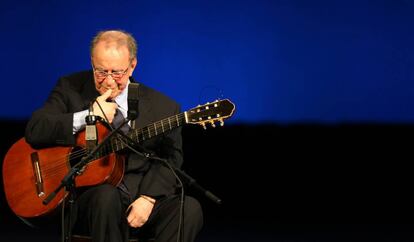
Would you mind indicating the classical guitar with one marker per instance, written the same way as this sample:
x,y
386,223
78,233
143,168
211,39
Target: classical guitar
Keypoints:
x,y
30,175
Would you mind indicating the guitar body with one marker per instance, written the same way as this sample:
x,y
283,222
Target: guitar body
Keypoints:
x,y
30,175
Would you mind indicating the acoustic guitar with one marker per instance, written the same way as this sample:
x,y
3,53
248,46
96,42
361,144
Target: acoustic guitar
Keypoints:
x,y
30,175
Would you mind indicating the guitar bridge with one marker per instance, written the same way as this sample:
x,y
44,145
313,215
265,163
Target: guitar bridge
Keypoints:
x,y
38,174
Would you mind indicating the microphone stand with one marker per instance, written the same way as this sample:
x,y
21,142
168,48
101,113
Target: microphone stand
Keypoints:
x,y
191,182
69,180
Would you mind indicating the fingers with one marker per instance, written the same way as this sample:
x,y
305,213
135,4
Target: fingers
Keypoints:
x,y
105,96
102,99
105,107
135,222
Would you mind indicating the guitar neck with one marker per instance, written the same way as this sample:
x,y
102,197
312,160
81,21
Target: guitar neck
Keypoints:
x,y
145,133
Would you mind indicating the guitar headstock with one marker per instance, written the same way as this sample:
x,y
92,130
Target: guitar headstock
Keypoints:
x,y
210,113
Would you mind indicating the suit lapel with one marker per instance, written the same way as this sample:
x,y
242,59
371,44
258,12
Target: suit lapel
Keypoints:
x,y
144,115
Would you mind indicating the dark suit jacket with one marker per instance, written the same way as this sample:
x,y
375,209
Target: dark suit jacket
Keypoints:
x,y
53,124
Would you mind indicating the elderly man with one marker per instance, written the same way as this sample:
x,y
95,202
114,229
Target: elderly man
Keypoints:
x,y
146,198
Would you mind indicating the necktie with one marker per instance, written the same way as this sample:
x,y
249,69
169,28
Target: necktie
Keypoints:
x,y
118,120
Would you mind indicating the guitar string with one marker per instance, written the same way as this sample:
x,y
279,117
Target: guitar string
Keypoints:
x,y
146,130
49,170
149,131
146,134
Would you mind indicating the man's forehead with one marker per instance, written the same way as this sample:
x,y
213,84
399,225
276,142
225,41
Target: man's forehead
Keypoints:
x,y
110,46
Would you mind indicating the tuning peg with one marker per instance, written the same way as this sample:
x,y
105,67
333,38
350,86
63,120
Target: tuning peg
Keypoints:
x,y
212,124
204,125
221,122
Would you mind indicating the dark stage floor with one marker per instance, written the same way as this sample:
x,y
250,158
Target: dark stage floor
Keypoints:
x,y
286,183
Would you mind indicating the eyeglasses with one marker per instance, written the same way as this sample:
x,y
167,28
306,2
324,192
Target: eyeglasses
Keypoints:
x,y
102,74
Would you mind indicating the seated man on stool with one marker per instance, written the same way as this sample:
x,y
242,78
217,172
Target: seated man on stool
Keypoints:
x,y
146,199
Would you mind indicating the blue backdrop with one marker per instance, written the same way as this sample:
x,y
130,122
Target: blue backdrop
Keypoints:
x,y
279,61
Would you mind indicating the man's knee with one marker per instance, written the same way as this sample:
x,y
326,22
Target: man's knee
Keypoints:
x,y
106,198
193,213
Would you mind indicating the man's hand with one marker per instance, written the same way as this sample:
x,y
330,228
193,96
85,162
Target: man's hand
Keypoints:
x,y
109,108
139,211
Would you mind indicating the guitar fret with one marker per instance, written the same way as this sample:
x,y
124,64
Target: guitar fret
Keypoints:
x,y
178,122
162,126
155,128
135,138
143,135
169,122
149,132
134,135
137,134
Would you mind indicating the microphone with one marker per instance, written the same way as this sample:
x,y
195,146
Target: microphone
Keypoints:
x,y
91,132
133,102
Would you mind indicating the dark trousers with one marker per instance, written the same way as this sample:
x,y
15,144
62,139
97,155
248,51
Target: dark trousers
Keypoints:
x,y
100,213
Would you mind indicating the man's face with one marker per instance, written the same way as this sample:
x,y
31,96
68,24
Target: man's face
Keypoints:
x,y
112,67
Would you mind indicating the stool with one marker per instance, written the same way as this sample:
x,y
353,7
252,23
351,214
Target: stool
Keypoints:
x,y
83,238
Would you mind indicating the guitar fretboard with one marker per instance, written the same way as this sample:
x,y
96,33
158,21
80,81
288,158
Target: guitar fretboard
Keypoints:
x,y
145,133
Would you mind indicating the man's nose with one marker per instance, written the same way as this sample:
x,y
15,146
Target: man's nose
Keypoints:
x,y
109,79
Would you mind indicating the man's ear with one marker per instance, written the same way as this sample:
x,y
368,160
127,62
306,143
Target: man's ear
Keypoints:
x,y
134,63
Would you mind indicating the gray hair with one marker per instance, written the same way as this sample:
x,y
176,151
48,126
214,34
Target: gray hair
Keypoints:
x,y
120,37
